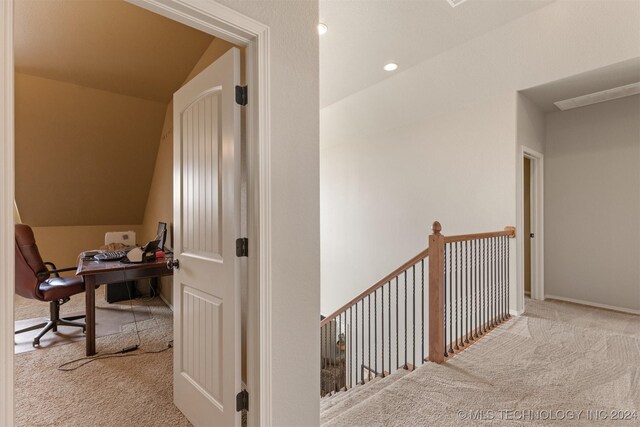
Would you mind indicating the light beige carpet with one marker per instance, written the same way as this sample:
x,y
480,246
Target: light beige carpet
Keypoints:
x,y
559,358
109,320
123,391
24,308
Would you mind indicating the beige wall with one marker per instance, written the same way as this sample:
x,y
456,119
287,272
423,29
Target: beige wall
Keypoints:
x,y
83,156
160,201
62,245
85,194
592,203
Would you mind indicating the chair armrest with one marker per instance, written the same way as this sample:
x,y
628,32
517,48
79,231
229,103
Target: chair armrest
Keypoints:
x,y
56,271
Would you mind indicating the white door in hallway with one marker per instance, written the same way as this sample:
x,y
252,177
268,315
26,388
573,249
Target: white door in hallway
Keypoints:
x,y
206,282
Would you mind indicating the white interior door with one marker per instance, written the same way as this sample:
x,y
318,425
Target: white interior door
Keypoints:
x,y
206,288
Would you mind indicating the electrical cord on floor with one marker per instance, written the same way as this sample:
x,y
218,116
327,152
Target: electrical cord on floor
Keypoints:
x,y
152,292
117,354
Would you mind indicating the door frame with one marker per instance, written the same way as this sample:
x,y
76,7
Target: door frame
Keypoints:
x,y
223,22
537,223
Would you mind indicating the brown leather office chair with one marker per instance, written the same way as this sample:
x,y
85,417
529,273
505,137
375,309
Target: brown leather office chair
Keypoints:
x,y
33,280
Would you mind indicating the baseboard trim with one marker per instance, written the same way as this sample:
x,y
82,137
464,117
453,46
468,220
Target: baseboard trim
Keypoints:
x,y
166,302
594,304
516,312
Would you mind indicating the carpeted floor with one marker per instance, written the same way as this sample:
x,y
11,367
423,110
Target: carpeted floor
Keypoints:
x,y
24,308
132,390
553,362
109,320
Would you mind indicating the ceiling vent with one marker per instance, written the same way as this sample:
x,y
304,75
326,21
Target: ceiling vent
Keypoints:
x,y
455,3
602,96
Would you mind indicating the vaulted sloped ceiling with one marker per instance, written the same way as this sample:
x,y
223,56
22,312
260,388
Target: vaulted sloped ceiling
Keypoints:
x,y
93,81
105,44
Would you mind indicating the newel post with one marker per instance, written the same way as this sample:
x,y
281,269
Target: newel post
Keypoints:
x,y
436,294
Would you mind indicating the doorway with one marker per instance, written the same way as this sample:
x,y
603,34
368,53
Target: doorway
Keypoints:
x,y
532,224
527,233
235,28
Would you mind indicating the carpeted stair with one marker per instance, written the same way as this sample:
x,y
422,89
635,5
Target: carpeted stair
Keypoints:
x,y
334,405
556,357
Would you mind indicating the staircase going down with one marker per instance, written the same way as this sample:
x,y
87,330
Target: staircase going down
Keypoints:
x,y
406,329
333,406
555,357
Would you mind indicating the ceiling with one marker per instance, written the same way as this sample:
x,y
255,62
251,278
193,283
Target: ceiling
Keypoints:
x,y
93,84
609,77
109,45
83,156
364,35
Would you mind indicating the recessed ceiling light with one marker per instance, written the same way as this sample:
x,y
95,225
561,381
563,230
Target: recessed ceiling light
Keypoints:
x,y
391,66
322,29
602,96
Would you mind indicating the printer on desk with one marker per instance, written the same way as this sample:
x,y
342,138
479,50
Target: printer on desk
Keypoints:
x,y
143,254
123,291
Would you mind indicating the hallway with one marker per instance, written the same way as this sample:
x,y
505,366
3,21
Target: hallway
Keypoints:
x,y
558,360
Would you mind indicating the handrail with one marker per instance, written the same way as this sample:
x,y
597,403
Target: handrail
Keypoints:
x,y
468,295
485,297
508,231
379,283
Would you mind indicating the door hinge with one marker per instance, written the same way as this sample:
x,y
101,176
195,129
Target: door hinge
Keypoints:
x,y
242,401
242,247
241,95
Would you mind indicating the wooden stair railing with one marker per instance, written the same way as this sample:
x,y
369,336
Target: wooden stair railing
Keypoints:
x,y
372,333
422,255
468,288
467,295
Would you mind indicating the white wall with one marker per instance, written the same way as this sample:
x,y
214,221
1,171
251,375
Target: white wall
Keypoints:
x,y
295,222
438,141
530,122
530,133
592,203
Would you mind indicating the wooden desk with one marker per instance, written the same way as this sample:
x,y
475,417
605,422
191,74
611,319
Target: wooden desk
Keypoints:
x,y
98,273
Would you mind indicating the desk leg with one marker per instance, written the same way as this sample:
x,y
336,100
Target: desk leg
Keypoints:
x,y
90,312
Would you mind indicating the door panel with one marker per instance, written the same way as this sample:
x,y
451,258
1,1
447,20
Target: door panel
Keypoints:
x,y
206,224
201,154
202,357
